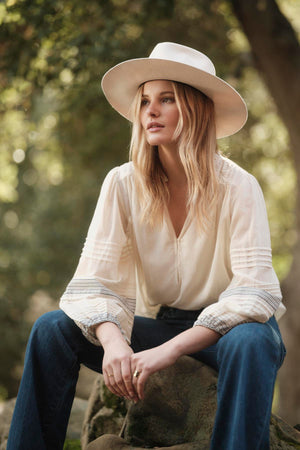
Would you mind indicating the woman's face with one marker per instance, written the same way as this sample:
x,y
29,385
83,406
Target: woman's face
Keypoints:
x,y
159,113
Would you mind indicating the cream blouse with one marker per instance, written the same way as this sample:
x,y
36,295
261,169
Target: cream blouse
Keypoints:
x,y
127,264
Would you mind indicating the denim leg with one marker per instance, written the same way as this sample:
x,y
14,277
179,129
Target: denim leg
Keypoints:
x,y
248,358
55,349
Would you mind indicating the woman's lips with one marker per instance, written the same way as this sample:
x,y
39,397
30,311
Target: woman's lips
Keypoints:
x,y
154,126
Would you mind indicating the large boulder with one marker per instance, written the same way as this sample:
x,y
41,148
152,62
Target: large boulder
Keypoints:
x,y
177,414
104,414
179,407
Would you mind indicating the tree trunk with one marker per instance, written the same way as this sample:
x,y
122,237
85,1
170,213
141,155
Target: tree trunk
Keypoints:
x,y
276,53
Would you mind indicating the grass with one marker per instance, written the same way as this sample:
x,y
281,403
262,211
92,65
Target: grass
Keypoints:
x,y
72,444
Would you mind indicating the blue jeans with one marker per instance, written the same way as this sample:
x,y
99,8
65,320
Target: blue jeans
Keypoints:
x,y
247,359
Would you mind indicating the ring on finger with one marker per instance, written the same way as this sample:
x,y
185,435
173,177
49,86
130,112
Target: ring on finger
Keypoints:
x,y
136,373
110,374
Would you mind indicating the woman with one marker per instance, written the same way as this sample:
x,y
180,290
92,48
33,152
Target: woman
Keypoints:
x,y
182,229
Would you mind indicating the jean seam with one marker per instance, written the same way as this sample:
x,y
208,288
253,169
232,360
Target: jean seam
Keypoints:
x,y
280,343
283,353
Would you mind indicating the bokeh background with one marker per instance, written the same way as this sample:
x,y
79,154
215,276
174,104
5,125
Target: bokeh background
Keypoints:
x,y
59,137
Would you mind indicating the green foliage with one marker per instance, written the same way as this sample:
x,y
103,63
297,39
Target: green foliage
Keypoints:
x,y
262,148
72,444
117,404
59,137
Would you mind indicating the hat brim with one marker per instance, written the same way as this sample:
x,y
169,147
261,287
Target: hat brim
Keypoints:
x,y
121,82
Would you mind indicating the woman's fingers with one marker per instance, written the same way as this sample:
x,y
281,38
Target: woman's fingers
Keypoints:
x,y
109,381
116,369
127,380
120,378
139,380
119,381
139,376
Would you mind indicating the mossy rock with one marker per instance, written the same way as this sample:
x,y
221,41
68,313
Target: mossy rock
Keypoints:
x,y
282,435
178,414
105,413
171,412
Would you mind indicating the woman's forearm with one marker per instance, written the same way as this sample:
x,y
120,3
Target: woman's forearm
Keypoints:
x,y
192,340
165,355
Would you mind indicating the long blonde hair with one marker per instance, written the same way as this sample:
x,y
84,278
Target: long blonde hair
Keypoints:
x,y
197,147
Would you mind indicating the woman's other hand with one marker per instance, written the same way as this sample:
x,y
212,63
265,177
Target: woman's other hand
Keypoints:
x,y
188,342
143,364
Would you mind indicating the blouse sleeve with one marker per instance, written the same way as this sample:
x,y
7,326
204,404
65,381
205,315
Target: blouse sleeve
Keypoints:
x,y
103,287
253,294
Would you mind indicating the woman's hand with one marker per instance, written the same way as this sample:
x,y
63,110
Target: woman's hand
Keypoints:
x,y
116,364
125,373
116,369
143,364
188,342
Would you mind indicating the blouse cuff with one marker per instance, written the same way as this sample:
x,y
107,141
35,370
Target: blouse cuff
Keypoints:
x,y
214,323
88,327
89,303
239,305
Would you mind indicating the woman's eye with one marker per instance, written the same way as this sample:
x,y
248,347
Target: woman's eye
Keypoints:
x,y
168,99
144,102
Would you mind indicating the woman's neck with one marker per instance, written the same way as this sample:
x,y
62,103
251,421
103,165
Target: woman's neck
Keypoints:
x,y
172,165
177,187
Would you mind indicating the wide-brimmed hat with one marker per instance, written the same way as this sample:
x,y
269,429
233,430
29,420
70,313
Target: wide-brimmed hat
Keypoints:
x,y
175,62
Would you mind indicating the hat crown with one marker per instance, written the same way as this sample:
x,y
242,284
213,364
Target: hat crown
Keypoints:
x,y
184,55
175,62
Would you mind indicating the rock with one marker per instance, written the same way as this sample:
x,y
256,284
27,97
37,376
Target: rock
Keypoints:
x,y
179,407
104,414
177,414
282,435
6,412
112,442
169,414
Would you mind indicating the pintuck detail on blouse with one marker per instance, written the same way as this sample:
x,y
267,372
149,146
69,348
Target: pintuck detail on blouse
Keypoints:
x,y
126,265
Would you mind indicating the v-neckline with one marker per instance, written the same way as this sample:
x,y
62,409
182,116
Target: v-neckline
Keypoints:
x,y
171,226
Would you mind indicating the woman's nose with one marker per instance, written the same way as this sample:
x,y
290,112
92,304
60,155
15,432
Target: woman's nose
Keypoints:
x,y
153,109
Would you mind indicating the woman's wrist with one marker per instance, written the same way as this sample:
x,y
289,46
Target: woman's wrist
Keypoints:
x,y
174,348
108,333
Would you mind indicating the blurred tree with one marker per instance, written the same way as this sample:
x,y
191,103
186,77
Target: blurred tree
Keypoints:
x,y
276,51
59,137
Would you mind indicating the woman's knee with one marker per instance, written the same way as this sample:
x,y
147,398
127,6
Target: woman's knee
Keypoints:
x,y
53,330
252,340
46,323
51,350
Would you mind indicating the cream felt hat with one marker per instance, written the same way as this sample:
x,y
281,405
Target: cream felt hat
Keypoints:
x,y
170,61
